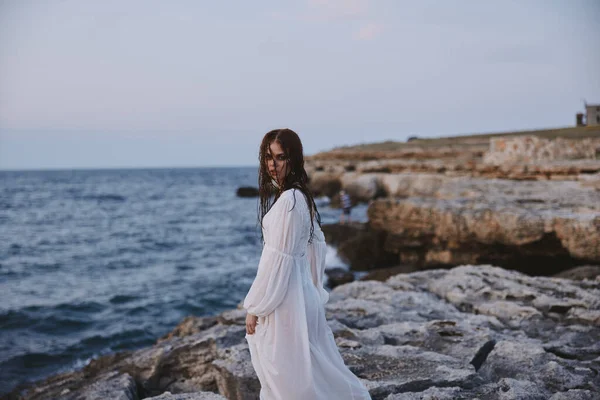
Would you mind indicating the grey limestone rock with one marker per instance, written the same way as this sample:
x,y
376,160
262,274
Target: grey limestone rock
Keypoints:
x,y
414,336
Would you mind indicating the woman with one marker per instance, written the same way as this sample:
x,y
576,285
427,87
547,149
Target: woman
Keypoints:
x,y
292,348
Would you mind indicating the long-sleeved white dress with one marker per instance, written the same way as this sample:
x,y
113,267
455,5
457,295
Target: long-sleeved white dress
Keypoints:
x,y
293,350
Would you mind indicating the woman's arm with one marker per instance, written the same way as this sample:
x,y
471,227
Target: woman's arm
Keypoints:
x,y
277,259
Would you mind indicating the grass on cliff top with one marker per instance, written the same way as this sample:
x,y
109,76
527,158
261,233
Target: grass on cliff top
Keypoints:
x,y
476,140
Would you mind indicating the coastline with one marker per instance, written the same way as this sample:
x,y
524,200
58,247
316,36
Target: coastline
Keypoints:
x,y
454,327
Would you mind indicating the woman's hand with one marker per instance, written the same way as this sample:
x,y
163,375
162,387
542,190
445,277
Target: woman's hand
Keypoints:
x,y
251,323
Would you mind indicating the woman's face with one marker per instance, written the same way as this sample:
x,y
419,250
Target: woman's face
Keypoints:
x,y
277,162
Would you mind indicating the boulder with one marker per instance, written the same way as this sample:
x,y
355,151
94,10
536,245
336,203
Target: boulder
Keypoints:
x,y
247,191
362,187
324,184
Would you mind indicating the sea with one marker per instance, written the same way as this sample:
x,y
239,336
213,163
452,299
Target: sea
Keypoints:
x,y
94,262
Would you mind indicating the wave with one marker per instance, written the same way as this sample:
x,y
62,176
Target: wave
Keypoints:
x,y
104,197
122,299
33,319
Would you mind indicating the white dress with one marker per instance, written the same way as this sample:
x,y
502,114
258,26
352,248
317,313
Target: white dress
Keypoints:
x,y
293,350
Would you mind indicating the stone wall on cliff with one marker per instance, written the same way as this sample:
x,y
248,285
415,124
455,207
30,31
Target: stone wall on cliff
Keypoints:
x,y
531,149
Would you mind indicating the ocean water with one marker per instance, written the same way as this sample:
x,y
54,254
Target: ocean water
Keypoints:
x,y
99,261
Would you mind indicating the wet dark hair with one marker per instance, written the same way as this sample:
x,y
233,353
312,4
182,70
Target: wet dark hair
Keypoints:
x,y
296,176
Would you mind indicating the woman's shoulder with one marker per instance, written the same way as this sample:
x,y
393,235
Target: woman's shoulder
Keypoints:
x,y
292,196
290,192
286,197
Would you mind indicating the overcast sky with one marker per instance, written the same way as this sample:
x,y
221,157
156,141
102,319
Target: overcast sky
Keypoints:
x,y
148,83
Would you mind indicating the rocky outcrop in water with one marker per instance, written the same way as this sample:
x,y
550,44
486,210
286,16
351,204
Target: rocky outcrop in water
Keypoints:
x,y
532,236
521,202
247,191
359,246
468,332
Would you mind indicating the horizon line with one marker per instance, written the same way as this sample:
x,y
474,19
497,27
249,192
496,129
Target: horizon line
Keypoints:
x,y
57,169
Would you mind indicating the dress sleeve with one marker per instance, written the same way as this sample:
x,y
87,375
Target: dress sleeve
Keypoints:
x,y
317,250
282,242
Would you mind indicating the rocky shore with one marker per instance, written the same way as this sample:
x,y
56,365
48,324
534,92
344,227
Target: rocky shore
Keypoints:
x,y
521,202
463,333
459,302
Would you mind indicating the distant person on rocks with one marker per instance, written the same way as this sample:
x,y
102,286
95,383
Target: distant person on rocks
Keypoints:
x,y
346,206
292,347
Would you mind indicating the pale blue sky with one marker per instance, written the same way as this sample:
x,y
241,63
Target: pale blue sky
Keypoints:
x,y
148,83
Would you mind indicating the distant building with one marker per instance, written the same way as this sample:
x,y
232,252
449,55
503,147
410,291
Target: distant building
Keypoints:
x,y
592,114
